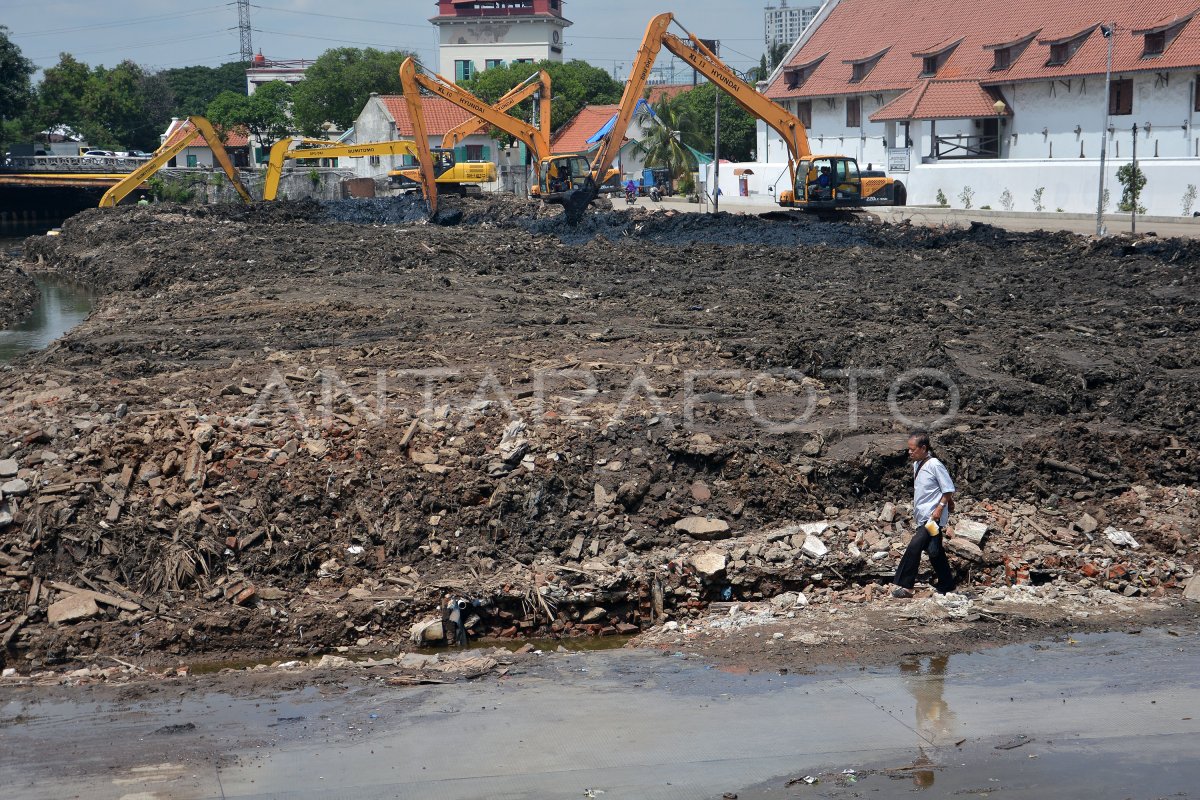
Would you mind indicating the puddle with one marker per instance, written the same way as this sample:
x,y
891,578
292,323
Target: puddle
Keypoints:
x,y
582,644
61,307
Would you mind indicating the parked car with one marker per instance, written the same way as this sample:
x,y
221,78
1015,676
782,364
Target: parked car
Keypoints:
x,y
137,154
94,154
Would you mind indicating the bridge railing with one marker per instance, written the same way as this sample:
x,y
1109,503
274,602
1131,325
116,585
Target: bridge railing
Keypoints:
x,y
71,164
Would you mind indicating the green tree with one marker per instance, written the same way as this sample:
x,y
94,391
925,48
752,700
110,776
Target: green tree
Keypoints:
x,y
16,91
1132,180
264,114
769,61
195,87
573,84
336,87
738,128
60,93
663,144
115,108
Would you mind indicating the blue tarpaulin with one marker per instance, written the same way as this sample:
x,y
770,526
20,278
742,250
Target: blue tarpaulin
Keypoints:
x,y
600,134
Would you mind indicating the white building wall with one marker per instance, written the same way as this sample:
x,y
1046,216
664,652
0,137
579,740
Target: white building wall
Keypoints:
x,y
505,40
375,124
1168,152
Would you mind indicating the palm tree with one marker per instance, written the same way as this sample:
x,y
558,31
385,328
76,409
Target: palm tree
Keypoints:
x,y
662,145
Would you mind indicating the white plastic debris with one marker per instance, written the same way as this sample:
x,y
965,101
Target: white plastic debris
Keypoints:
x,y
1120,537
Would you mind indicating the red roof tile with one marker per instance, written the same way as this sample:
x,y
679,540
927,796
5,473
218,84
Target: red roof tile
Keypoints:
x,y
572,137
940,100
440,114
667,90
925,26
234,138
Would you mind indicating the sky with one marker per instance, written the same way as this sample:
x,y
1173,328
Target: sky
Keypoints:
x,y
160,34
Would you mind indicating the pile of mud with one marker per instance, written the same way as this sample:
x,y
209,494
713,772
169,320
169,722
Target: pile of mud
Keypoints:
x,y
275,429
18,293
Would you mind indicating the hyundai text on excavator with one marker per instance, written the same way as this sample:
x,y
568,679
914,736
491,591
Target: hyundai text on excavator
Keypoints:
x,y
171,148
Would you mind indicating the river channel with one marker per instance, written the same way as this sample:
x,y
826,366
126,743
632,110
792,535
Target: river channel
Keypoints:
x,y
61,306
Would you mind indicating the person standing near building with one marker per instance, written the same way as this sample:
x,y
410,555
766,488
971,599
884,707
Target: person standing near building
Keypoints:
x,y
933,500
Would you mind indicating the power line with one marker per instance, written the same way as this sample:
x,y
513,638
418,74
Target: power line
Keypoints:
x,y
123,23
122,48
340,17
390,46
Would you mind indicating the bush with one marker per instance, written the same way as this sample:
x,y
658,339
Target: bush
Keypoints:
x,y
965,196
1006,200
1037,199
1189,199
941,199
1133,180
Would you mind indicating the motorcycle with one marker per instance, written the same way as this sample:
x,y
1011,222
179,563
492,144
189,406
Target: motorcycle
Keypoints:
x,y
630,196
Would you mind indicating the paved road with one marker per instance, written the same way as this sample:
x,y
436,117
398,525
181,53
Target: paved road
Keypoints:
x,y
1104,714
1015,221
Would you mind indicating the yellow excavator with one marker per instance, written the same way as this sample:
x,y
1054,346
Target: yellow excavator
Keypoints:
x,y
555,172
449,172
293,149
171,148
818,182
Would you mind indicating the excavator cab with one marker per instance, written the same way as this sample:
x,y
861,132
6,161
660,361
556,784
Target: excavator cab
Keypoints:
x,y
563,175
828,182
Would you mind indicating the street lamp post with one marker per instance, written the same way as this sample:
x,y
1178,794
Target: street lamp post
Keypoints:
x,y
1109,32
999,106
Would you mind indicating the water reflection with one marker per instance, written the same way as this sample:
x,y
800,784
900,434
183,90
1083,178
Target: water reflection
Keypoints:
x,y
62,306
936,725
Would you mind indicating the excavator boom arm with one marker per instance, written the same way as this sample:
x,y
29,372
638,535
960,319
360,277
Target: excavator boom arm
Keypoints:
x,y
786,124
283,150
166,152
409,79
539,82
638,77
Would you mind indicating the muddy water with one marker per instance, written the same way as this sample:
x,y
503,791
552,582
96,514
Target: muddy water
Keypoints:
x,y
1110,715
60,308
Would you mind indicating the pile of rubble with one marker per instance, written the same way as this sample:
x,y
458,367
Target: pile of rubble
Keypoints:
x,y
227,457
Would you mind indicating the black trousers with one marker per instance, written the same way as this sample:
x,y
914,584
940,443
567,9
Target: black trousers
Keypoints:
x,y
910,562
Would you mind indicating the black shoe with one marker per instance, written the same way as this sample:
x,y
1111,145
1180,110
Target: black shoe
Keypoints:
x,y
901,593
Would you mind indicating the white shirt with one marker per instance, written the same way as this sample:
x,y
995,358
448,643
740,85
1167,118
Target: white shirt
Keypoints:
x,y
930,482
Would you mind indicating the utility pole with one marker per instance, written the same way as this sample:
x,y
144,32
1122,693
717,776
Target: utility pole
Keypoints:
x,y
247,49
1109,33
1133,182
716,48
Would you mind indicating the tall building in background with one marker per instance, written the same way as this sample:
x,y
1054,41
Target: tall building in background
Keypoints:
x,y
475,35
784,25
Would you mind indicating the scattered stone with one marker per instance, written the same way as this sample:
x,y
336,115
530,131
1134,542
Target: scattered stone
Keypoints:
x,y
8,467
703,528
700,492
813,546
711,564
971,530
888,514
1191,591
72,608
1087,523
15,488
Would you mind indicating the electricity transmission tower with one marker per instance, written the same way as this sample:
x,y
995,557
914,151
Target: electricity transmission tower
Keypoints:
x,y
247,50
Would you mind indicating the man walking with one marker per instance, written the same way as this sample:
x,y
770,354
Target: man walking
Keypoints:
x,y
933,499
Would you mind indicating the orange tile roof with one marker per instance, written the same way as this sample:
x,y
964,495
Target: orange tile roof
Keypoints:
x,y
234,138
572,137
440,114
934,99
667,90
927,26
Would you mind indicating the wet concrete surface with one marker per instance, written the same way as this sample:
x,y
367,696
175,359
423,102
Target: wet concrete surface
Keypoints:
x,y
61,306
1106,715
